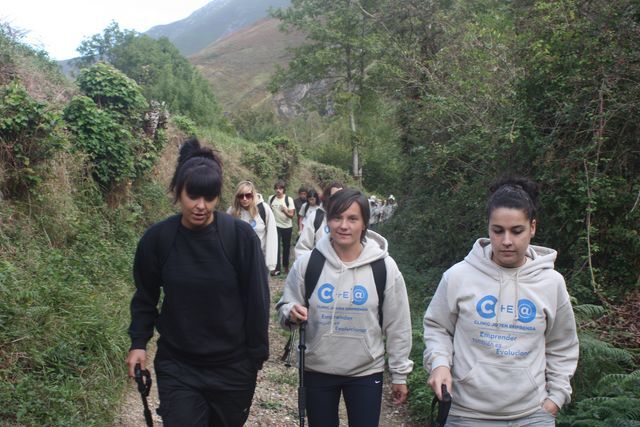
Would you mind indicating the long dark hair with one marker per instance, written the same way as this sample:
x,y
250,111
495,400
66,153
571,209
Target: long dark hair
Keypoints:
x,y
198,172
514,193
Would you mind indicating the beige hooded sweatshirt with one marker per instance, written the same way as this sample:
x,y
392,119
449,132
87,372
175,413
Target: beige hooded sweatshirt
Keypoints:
x,y
508,334
343,334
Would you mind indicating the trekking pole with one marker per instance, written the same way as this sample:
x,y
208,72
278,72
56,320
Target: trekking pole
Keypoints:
x,y
443,408
302,393
286,356
143,378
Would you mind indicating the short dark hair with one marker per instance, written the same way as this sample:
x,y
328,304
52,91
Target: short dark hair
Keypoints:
x,y
313,193
514,193
302,189
343,199
280,184
198,172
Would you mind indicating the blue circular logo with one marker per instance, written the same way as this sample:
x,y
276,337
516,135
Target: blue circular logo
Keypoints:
x,y
486,307
325,293
253,223
326,229
360,295
526,311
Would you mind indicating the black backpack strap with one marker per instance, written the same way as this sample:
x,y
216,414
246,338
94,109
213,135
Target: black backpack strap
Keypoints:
x,y
227,232
262,213
380,278
317,222
273,196
311,276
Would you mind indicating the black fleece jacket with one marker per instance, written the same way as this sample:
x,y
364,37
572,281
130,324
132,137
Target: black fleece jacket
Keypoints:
x,y
215,309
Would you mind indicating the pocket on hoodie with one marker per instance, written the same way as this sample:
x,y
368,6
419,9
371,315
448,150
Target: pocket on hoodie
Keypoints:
x,y
339,354
496,388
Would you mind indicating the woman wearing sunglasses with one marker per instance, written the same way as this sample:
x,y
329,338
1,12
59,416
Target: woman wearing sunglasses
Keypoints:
x,y
249,206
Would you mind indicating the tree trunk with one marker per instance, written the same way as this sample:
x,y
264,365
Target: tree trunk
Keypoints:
x,y
355,155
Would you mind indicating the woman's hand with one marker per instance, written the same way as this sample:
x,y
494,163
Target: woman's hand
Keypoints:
x,y
136,356
400,392
298,313
549,406
440,375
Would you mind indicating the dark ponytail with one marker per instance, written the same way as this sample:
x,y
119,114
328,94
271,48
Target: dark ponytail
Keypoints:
x,y
514,193
198,171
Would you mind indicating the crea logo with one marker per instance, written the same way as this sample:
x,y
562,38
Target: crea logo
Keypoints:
x,y
253,223
326,229
486,307
325,293
360,295
526,311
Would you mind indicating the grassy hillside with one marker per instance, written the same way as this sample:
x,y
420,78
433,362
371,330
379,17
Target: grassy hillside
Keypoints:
x,y
240,65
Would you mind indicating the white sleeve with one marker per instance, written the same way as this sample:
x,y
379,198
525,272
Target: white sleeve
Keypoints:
x,y
307,239
561,350
396,319
271,235
439,325
293,292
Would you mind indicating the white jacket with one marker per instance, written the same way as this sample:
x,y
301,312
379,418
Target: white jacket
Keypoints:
x,y
508,334
309,236
343,331
266,231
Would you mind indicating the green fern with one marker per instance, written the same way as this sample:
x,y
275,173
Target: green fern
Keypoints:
x,y
589,311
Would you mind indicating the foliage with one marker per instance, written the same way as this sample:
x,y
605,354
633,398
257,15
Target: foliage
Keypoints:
x,y
256,124
113,91
157,66
185,124
342,46
107,126
275,157
29,135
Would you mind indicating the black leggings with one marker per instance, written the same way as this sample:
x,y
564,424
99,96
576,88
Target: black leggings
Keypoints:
x,y
362,397
284,237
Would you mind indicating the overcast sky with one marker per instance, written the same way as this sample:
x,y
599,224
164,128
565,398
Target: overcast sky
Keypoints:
x,y
58,26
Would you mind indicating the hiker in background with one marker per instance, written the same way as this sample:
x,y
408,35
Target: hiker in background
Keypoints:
x,y
354,305
284,210
249,206
310,206
390,208
373,208
500,331
214,320
315,225
299,201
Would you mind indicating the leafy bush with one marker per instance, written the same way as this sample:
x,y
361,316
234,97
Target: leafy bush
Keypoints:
x,y
108,145
260,158
29,135
184,123
113,91
287,152
325,174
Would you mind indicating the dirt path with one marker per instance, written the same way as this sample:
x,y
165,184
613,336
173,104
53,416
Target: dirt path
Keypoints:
x,y
275,402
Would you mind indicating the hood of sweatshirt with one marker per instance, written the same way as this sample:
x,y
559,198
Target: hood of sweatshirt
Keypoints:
x,y
375,247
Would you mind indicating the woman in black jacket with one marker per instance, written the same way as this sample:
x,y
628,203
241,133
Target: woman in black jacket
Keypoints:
x,y
213,324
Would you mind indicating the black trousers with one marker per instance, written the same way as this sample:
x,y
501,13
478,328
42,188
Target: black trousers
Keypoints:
x,y
362,397
284,238
195,396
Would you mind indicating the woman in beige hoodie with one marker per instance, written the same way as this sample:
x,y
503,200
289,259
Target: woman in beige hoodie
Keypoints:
x,y
346,326
500,331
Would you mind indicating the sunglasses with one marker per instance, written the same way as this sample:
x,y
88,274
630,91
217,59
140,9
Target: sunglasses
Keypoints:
x,y
247,196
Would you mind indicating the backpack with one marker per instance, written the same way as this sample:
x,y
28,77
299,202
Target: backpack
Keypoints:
x,y
286,201
317,222
262,213
316,264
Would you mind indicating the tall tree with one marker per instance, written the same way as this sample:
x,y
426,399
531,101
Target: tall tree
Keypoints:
x,y
343,42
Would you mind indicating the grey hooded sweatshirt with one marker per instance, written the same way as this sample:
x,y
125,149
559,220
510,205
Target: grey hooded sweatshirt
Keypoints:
x,y
508,334
343,331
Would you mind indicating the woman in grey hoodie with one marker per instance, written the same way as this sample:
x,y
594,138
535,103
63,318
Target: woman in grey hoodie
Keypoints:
x,y
346,327
500,331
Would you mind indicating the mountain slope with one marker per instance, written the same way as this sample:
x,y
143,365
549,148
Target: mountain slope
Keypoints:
x,y
240,65
216,19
